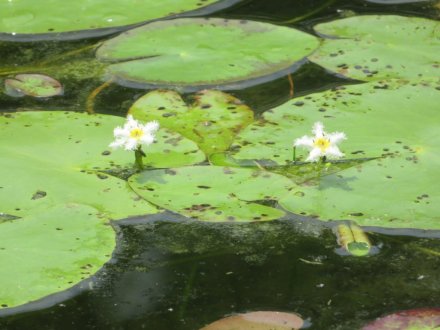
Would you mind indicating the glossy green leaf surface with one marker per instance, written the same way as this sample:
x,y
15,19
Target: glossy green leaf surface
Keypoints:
x,y
393,121
213,193
52,251
36,85
57,157
211,121
373,47
203,52
379,119
25,19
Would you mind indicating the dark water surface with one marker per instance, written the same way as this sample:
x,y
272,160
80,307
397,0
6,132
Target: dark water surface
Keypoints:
x,y
169,273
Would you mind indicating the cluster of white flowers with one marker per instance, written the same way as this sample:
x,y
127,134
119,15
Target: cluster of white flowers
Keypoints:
x,y
133,134
322,144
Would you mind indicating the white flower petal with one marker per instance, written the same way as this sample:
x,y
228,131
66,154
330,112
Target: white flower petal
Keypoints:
x,y
318,129
322,144
133,134
131,123
336,137
333,152
151,127
131,144
305,141
117,143
131,120
314,155
120,132
147,139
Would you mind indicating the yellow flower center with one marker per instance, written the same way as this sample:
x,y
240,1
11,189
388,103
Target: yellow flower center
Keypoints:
x,y
322,143
136,133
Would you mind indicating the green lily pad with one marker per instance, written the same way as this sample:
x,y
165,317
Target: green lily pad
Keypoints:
x,y
30,20
36,85
391,193
56,157
51,251
211,121
196,53
213,193
393,121
379,120
375,47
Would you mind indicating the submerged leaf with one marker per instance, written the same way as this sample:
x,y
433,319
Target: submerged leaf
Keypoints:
x,y
264,320
415,319
36,85
195,53
211,121
393,2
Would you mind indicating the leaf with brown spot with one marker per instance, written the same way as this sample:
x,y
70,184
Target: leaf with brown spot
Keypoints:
x,y
231,195
376,47
40,156
212,127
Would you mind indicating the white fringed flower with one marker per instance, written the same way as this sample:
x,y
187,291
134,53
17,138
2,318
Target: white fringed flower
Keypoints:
x,y
322,144
134,134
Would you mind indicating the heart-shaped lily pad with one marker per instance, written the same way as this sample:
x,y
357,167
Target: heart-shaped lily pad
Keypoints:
x,y
213,193
373,47
51,251
196,53
390,120
416,319
56,157
36,85
212,121
28,19
264,320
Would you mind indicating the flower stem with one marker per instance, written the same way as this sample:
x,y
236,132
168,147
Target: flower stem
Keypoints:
x,y
138,158
294,154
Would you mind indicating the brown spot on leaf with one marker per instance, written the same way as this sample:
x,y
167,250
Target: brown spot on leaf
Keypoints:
x,y
39,194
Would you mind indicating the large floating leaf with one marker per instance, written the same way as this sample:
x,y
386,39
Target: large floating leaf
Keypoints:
x,y
28,19
50,252
56,157
394,121
212,121
213,193
377,47
379,119
203,52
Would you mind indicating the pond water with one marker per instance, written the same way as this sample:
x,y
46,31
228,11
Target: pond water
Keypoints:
x,y
172,273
